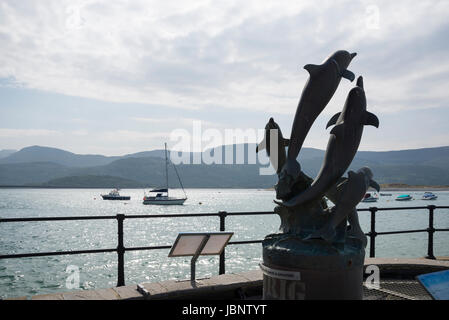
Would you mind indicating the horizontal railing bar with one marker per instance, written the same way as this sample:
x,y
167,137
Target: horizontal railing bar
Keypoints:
x,y
214,214
56,253
393,208
399,232
148,248
180,215
441,229
249,213
57,218
245,242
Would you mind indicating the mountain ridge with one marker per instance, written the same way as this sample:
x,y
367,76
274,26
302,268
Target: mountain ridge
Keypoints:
x,y
426,166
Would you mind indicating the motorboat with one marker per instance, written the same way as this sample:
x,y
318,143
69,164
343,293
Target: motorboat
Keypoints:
x,y
162,197
429,196
404,197
385,194
114,195
369,198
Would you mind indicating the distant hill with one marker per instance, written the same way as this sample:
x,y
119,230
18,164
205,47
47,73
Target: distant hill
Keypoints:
x,y
13,174
41,165
66,158
58,156
6,153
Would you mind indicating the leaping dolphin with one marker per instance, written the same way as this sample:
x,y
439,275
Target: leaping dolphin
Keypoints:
x,y
342,146
349,194
277,160
319,89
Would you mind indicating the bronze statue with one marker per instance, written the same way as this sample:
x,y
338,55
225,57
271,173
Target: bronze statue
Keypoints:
x,y
312,237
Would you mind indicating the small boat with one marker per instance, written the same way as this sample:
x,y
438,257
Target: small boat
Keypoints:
x,y
369,198
404,197
114,195
162,197
386,194
429,196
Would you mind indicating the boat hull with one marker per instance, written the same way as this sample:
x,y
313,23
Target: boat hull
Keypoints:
x,y
403,199
105,197
164,202
369,200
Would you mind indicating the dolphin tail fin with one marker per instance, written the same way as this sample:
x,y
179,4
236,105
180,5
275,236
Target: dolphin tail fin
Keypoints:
x,y
375,185
348,75
333,120
312,68
371,119
261,146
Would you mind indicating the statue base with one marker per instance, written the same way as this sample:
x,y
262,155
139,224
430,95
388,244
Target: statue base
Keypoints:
x,y
296,269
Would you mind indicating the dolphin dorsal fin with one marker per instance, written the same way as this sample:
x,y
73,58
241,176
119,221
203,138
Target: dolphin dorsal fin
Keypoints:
x,y
333,120
338,130
312,68
360,82
374,184
371,119
348,75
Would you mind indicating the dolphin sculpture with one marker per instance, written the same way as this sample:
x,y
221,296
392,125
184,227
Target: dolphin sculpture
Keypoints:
x,y
319,89
277,160
349,194
342,146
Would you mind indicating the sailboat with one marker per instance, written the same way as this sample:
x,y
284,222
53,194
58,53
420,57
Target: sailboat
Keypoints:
x,y
162,197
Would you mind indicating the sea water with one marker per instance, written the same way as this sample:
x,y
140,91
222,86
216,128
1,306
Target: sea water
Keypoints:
x,y
39,275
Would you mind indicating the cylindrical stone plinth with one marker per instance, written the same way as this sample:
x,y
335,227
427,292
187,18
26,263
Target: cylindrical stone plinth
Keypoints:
x,y
311,270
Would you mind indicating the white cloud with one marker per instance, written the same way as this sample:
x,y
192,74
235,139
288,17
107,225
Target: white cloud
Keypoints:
x,y
177,122
233,54
10,133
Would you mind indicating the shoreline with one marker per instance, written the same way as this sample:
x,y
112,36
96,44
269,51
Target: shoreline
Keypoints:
x,y
392,188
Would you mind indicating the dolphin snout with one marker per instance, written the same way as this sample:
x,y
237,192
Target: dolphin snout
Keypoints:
x,y
353,55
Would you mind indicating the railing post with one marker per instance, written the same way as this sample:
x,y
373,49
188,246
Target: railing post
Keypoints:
x,y
431,231
120,252
222,215
373,233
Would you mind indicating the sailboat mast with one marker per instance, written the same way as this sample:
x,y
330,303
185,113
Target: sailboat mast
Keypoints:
x,y
166,167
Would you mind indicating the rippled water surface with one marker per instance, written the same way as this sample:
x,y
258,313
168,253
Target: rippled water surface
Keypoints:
x,y
30,276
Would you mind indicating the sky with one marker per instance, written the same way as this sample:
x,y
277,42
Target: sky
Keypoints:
x,y
115,77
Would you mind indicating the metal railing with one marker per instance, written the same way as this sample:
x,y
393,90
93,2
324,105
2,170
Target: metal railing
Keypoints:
x,y
121,249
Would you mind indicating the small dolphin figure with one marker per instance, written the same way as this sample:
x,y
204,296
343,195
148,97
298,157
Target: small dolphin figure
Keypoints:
x,y
277,160
342,146
350,193
319,89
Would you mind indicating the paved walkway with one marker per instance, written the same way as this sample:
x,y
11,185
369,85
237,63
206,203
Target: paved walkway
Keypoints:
x,y
397,282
